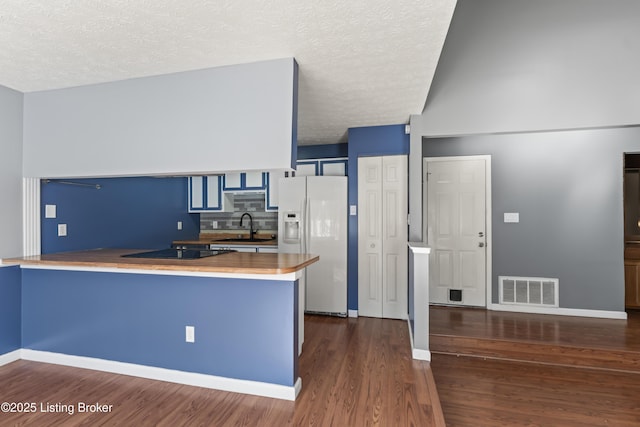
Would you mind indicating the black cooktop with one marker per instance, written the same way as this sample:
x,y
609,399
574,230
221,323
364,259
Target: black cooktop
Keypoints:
x,y
179,253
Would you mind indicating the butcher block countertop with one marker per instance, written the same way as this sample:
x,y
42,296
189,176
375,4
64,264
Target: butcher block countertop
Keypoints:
x,y
234,262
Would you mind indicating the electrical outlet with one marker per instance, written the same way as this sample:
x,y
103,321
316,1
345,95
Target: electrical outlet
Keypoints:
x,y
62,230
179,225
190,333
214,224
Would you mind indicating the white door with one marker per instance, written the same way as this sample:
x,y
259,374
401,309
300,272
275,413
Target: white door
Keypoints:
x,y
370,236
382,237
456,230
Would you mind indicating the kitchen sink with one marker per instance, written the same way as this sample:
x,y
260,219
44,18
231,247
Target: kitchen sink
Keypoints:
x,y
240,240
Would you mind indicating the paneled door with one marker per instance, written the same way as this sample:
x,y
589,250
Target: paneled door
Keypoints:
x,y
382,237
456,230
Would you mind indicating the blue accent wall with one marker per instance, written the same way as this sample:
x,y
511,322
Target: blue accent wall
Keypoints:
x,y
371,141
140,212
244,329
323,151
10,309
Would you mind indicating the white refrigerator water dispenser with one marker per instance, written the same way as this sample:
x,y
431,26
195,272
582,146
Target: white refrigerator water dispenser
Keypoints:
x,y
291,227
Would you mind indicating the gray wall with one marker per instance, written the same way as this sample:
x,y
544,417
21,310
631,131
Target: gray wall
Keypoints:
x,y
522,65
568,188
234,118
10,172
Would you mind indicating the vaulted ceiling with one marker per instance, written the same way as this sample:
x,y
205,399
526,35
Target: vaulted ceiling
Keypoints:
x,y
362,62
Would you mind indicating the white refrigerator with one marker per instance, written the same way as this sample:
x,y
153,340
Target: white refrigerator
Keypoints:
x,y
312,218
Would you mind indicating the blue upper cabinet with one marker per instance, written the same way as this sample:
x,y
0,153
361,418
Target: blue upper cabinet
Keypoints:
x,y
245,181
336,167
314,167
271,196
214,193
205,193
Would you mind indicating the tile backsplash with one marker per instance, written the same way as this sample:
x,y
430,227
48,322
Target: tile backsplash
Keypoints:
x,y
253,203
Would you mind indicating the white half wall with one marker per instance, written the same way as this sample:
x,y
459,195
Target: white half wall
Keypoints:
x,y
233,118
11,104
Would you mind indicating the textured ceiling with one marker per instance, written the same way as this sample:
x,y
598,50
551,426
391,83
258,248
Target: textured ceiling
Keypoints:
x,y
362,62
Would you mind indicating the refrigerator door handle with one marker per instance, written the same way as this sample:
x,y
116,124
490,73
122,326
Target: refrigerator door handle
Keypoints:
x,y
303,220
307,227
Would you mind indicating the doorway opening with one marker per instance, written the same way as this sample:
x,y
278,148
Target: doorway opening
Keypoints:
x,y
631,202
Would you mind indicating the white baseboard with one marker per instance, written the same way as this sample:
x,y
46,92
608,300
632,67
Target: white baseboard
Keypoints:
x,y
416,353
353,313
161,374
421,354
601,314
10,357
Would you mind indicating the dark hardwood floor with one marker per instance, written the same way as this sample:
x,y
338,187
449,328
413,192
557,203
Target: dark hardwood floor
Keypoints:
x,y
490,369
561,330
355,372
513,369
477,392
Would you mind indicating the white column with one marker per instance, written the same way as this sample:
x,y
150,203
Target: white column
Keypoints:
x,y
419,282
31,216
415,179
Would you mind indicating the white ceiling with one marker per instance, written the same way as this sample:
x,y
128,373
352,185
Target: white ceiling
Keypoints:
x,y
362,62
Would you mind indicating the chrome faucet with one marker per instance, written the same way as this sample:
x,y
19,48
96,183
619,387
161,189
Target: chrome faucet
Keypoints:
x,y
251,231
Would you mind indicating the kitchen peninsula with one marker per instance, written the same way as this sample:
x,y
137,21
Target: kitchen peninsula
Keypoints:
x,y
99,310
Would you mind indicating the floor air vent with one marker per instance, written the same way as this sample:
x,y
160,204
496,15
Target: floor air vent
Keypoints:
x,y
535,291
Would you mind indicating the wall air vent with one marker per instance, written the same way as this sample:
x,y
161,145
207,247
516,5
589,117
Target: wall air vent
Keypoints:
x,y
531,291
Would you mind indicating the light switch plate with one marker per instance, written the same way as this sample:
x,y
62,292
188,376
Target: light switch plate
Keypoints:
x,y
49,211
190,333
511,217
179,225
353,210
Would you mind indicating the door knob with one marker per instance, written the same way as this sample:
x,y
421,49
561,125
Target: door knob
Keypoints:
x,y
373,245
481,244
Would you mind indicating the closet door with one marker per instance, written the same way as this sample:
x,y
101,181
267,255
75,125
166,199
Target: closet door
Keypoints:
x,y
382,237
369,237
394,237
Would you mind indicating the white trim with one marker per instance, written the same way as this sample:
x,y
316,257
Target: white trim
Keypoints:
x,y
421,354
10,357
257,388
488,214
416,353
579,312
286,276
419,247
31,216
353,313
